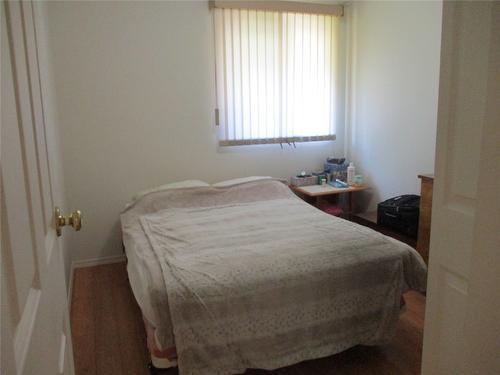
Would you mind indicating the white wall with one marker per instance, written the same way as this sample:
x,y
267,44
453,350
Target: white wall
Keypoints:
x,y
135,91
396,53
135,96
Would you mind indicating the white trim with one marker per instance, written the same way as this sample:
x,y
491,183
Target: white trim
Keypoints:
x,y
90,263
280,6
370,216
70,287
289,140
62,353
98,261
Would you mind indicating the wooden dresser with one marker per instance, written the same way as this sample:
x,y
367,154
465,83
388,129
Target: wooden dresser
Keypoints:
x,y
424,221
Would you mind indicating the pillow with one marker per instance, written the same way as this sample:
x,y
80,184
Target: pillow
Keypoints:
x,y
173,185
241,180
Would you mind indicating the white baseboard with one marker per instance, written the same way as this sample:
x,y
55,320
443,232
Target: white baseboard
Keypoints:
x,y
370,216
70,287
90,263
98,261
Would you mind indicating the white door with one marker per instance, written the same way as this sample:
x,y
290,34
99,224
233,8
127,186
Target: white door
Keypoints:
x,y
462,320
34,308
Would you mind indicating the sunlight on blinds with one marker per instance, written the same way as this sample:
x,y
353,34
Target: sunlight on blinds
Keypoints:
x,y
276,76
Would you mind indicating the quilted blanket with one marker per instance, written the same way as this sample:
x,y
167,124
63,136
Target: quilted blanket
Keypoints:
x,y
265,283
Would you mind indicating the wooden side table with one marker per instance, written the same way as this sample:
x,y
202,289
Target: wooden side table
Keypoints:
x,y
312,192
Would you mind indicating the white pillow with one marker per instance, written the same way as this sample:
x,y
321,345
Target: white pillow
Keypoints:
x,y
173,185
241,180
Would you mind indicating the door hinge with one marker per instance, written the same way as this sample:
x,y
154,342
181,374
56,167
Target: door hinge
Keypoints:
x,y
217,117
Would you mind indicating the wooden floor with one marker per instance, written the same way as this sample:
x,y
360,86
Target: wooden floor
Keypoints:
x,y
109,337
106,326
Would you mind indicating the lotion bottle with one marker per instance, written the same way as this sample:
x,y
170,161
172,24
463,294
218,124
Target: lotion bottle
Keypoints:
x,y
351,171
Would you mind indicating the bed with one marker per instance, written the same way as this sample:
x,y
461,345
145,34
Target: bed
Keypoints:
x,y
244,274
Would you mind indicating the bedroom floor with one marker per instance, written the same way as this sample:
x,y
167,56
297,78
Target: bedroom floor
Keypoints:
x,y
109,338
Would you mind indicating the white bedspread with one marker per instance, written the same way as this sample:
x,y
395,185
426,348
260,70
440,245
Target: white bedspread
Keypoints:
x,y
256,278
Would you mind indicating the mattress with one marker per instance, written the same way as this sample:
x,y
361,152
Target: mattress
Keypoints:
x,y
249,275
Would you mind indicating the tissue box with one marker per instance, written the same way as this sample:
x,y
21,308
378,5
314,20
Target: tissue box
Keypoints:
x,y
304,181
337,170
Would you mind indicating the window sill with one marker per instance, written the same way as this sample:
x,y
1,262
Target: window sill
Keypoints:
x,y
278,141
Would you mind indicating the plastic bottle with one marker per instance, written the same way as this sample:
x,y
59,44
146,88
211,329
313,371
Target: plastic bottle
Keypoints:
x,y
351,171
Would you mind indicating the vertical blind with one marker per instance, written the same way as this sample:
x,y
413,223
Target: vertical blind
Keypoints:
x,y
276,76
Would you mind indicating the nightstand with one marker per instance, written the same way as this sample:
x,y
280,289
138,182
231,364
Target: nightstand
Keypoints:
x,y
312,192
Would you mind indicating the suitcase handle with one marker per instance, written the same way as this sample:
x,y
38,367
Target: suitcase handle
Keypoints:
x,y
390,215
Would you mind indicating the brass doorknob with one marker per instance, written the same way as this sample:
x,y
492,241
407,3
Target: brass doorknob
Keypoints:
x,y
74,219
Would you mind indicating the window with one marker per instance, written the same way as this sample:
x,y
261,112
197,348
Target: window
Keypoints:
x,y
276,75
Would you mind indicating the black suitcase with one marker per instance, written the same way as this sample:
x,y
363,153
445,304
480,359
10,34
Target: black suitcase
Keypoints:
x,y
400,213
